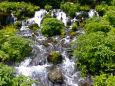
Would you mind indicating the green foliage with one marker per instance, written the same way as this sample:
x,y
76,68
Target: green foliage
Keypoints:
x,y
63,33
18,25
74,27
56,58
19,8
101,9
13,47
70,8
97,24
33,26
73,34
48,7
95,53
83,2
47,16
51,26
104,80
84,8
7,77
110,16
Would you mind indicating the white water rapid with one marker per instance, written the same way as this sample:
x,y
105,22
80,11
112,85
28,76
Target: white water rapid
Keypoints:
x,y
37,65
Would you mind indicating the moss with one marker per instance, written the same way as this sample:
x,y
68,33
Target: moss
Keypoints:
x,y
56,58
73,34
33,26
74,27
62,33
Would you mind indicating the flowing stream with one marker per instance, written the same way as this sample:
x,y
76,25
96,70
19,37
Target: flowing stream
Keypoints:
x,y
37,65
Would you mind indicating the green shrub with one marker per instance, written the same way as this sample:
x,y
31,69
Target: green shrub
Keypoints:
x,y
84,8
95,53
7,77
74,27
96,24
101,9
18,25
19,8
56,58
48,7
70,8
47,16
110,16
51,26
12,47
104,80
33,26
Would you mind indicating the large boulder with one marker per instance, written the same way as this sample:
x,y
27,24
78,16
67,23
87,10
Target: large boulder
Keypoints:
x,y
55,77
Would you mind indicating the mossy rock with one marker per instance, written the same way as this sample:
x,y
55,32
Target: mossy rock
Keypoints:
x,y
33,26
54,58
73,34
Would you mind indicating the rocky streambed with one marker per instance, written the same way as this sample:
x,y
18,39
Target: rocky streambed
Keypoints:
x,y
39,66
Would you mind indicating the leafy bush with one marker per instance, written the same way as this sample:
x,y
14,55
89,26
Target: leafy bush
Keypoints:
x,y
18,25
7,77
48,7
74,27
110,16
101,9
95,53
70,8
84,8
96,24
33,26
19,8
51,26
13,47
104,80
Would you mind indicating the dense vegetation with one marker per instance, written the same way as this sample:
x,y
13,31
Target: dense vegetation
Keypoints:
x,y
95,50
7,77
12,47
18,8
51,26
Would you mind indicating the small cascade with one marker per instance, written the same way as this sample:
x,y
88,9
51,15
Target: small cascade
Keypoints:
x,y
92,13
37,65
37,17
59,14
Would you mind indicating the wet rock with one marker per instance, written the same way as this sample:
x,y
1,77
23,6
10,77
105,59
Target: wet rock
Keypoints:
x,y
54,58
55,77
84,83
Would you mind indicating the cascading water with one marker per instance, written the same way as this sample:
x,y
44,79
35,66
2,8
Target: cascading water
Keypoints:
x,y
37,66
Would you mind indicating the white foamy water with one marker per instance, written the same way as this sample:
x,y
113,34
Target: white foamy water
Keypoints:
x,y
92,13
38,67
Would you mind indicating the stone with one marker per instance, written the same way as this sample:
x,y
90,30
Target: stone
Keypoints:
x,y
55,77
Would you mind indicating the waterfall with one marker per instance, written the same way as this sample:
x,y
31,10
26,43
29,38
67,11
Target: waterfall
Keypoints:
x,y
37,66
